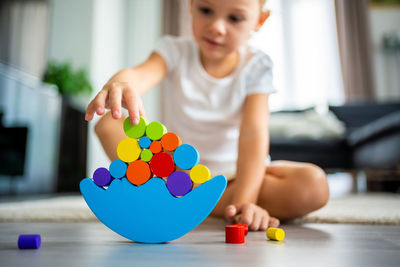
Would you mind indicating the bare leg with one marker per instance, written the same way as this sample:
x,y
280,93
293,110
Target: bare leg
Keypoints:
x,y
289,190
110,132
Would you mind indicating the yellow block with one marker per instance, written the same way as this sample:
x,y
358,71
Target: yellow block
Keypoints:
x,y
128,150
275,233
200,174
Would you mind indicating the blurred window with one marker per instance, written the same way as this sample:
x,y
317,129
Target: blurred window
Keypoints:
x,y
300,37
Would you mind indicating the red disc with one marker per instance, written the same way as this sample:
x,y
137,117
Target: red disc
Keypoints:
x,y
234,234
162,164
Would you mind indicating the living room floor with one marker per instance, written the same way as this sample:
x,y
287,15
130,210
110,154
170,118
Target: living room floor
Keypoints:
x,y
93,244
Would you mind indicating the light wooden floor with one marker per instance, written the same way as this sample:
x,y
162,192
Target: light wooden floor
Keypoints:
x,y
92,244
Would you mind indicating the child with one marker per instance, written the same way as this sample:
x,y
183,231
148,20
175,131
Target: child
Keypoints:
x,y
216,92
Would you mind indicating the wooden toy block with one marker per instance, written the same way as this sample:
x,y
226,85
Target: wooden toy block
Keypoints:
x,y
179,183
102,177
135,131
234,234
276,234
155,130
138,172
118,169
155,147
128,150
146,155
186,156
170,141
144,142
29,241
245,226
151,209
149,213
200,174
162,164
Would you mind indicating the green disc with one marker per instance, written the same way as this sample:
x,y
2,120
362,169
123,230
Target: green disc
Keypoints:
x,y
155,130
146,155
135,131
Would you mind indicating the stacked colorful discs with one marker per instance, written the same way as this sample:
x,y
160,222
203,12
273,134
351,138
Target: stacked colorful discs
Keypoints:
x,y
150,151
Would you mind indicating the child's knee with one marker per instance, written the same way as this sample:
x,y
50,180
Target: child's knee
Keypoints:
x,y
316,187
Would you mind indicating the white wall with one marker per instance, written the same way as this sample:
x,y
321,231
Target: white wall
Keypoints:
x,y
71,31
107,56
301,38
27,102
105,36
144,20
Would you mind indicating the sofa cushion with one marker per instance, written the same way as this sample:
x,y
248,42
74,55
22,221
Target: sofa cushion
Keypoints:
x,y
375,129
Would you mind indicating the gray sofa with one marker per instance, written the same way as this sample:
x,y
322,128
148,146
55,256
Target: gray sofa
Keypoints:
x,y
371,140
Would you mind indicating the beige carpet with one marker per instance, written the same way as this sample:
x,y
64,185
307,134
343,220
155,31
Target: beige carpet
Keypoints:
x,y
363,209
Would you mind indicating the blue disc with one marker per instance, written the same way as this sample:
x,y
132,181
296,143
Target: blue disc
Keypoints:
x,y
144,142
29,241
118,168
186,157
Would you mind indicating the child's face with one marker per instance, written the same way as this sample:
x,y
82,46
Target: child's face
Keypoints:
x,y
220,27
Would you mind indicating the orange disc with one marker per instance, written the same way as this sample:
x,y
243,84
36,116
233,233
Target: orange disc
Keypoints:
x,y
170,141
155,147
138,172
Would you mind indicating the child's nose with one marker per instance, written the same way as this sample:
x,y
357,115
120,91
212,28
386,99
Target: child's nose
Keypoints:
x,y
219,27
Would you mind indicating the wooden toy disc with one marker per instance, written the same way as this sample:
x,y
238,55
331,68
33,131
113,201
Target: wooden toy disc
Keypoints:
x,y
200,174
170,141
135,131
138,172
155,130
128,150
155,147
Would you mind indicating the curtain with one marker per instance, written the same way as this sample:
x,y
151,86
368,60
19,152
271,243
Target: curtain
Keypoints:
x,y
24,35
176,17
355,49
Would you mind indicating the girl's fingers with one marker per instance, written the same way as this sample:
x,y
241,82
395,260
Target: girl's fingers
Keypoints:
x,y
96,106
114,102
112,96
246,216
255,224
230,212
100,101
273,222
90,110
265,223
131,100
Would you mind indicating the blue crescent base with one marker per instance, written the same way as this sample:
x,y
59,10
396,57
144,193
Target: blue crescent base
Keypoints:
x,y
149,213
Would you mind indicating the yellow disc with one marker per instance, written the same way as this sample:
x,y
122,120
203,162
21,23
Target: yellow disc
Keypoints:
x,y
275,233
200,174
128,150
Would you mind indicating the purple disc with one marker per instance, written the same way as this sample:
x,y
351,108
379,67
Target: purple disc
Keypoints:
x,y
102,177
179,183
29,241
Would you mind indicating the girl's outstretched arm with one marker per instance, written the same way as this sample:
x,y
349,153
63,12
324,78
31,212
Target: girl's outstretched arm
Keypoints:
x,y
125,88
253,150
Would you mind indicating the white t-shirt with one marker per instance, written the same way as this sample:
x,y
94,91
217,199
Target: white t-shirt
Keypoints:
x,y
206,111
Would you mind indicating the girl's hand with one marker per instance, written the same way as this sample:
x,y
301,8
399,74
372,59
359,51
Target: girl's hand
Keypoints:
x,y
114,95
254,216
